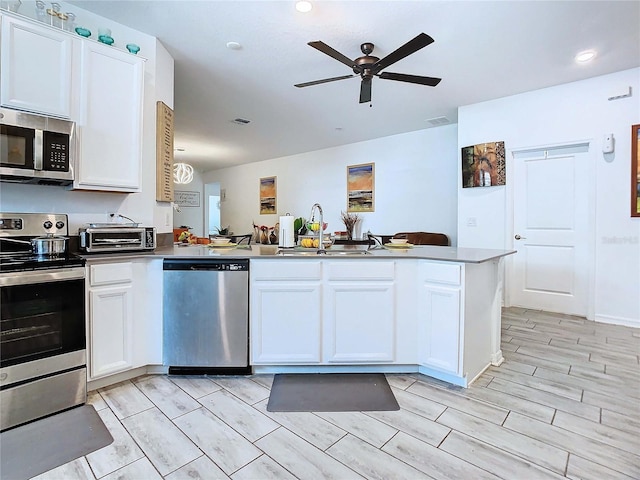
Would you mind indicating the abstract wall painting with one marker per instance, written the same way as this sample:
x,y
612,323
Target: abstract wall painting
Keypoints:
x,y
360,187
483,165
267,195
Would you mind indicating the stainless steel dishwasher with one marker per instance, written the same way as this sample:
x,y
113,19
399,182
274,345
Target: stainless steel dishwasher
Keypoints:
x,y
206,316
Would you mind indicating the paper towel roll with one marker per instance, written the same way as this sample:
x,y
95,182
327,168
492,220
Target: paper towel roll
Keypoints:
x,y
286,233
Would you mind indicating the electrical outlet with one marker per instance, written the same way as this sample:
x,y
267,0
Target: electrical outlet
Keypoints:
x,y
167,219
472,222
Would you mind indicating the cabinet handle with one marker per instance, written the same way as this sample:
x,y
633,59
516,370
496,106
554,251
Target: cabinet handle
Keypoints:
x,y
518,237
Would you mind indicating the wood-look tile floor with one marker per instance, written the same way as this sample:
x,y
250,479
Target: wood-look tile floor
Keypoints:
x,y
564,404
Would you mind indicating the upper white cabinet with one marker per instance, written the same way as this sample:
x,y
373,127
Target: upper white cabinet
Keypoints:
x,y
109,120
36,64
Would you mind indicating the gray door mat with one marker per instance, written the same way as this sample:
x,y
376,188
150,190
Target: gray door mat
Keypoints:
x,y
331,392
47,443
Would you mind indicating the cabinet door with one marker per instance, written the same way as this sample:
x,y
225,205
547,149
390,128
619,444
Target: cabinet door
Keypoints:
x,y
440,328
36,68
359,322
110,120
285,322
110,314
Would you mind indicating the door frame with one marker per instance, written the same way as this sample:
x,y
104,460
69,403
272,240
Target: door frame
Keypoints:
x,y
591,158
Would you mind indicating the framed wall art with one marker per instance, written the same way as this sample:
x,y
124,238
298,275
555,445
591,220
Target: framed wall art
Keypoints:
x,y
483,165
360,187
268,195
635,170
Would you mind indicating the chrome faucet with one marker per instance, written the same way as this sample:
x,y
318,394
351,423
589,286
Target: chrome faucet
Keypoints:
x,y
321,249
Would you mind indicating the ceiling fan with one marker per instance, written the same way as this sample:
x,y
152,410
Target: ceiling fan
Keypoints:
x,y
369,66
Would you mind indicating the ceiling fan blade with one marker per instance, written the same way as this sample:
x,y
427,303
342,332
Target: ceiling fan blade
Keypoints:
x,y
325,80
401,77
421,41
326,49
365,90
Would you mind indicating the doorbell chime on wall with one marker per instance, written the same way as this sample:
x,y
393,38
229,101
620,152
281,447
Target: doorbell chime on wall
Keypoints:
x,y
607,143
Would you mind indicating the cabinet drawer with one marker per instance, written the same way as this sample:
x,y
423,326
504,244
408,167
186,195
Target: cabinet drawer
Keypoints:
x,y
285,269
441,273
110,273
360,270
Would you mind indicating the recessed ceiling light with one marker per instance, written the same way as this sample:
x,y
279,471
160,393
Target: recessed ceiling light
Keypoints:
x,y
585,56
303,6
233,46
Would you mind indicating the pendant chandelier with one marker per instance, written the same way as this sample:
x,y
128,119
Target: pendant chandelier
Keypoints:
x,y
182,173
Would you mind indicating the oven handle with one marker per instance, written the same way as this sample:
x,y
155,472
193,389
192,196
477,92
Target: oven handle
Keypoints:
x,y
41,276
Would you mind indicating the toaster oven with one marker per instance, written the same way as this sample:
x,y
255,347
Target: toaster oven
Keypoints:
x,y
114,238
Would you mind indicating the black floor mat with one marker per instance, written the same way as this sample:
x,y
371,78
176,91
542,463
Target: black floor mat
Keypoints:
x,y
331,392
39,446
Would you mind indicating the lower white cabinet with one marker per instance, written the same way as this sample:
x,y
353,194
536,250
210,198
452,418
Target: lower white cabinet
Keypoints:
x,y
322,312
110,330
286,312
440,319
359,320
286,323
124,317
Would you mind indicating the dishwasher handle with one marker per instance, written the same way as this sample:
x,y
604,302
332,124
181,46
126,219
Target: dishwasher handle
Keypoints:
x,y
218,265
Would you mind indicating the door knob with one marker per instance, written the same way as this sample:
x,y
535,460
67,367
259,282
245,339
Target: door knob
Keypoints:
x,y
518,237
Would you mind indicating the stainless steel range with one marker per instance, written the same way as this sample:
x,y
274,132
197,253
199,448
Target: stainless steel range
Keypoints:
x,y
42,321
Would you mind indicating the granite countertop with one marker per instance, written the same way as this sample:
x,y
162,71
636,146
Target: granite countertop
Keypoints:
x,y
426,252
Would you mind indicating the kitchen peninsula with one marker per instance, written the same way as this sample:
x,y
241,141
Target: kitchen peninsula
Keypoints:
x,y
434,310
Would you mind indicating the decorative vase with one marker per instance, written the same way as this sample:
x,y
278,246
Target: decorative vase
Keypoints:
x,y
272,237
350,232
264,237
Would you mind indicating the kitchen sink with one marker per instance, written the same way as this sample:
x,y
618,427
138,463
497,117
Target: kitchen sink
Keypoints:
x,y
328,253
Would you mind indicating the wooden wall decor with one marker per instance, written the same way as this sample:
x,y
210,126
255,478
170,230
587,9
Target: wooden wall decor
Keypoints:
x,y
164,153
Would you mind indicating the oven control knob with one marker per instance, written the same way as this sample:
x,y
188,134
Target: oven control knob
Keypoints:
x,y
47,224
59,224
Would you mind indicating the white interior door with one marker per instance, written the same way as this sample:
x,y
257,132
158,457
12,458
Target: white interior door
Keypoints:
x,y
551,235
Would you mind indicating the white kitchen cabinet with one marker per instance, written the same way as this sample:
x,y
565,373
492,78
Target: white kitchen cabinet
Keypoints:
x,y
36,64
285,312
110,309
124,316
440,319
109,122
359,321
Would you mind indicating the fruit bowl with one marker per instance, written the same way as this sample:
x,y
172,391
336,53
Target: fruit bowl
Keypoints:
x,y
314,227
220,241
311,241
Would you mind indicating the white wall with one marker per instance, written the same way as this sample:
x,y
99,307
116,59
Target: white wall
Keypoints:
x,y
82,206
556,115
415,184
192,216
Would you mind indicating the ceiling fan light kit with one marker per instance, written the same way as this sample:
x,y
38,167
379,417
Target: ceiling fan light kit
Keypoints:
x,y
369,66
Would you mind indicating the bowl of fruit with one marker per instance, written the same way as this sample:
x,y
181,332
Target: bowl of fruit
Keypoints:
x,y
315,226
311,241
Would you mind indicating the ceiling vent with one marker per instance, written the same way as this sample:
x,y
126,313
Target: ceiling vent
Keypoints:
x,y
240,121
439,121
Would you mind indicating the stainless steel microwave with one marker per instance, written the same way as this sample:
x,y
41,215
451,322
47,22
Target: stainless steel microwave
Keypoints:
x,y
116,238
36,149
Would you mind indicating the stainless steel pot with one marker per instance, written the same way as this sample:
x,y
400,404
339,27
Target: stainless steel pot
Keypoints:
x,y
49,245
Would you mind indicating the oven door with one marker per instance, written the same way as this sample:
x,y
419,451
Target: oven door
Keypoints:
x,y
42,344
42,314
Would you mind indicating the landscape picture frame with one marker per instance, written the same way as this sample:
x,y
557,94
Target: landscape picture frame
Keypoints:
x,y
268,195
635,170
361,187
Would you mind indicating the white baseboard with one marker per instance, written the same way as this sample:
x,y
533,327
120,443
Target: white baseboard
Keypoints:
x,y
628,322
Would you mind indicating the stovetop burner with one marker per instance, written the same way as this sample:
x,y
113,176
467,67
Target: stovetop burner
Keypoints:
x,y
16,232
19,262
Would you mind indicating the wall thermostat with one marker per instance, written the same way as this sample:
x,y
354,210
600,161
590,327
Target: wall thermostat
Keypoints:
x,y
607,144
